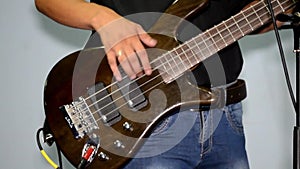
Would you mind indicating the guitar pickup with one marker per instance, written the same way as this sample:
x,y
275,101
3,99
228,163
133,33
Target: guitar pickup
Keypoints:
x,y
104,105
132,93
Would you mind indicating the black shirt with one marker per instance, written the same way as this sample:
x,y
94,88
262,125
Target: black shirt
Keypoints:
x,y
223,67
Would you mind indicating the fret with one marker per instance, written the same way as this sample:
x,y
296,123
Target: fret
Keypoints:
x,y
262,11
230,32
180,60
188,55
266,6
237,25
261,22
167,67
276,10
174,65
212,39
282,9
243,24
247,20
206,44
213,34
254,19
163,67
192,45
219,41
285,4
201,46
234,28
193,53
222,32
161,64
203,49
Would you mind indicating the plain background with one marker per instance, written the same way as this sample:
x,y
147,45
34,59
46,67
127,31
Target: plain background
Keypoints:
x,y
31,44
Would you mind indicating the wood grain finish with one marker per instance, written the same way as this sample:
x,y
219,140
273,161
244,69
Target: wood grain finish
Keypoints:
x,y
73,75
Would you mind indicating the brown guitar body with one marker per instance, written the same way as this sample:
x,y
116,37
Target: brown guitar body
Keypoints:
x,y
82,100
71,77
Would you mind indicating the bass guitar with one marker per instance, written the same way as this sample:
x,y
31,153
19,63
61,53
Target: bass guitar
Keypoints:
x,y
91,114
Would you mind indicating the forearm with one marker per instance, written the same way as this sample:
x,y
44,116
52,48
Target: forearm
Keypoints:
x,y
76,13
123,40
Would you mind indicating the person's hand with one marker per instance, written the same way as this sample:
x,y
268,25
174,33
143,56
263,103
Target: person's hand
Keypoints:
x,y
124,44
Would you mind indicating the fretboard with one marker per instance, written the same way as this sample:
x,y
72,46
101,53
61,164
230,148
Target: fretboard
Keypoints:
x,y
185,56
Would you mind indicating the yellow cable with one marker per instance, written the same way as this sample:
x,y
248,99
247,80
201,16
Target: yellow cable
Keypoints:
x,y
49,160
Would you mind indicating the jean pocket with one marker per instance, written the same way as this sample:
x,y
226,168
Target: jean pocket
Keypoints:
x,y
234,115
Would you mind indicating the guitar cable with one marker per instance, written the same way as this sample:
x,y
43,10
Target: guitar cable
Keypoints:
x,y
49,140
88,153
282,56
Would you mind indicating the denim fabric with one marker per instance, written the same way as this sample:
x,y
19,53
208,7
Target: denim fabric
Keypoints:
x,y
211,139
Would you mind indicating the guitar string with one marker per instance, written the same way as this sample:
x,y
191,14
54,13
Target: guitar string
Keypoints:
x,y
137,96
121,105
129,84
177,56
96,110
125,77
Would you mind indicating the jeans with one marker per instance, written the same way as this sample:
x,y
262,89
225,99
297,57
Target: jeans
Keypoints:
x,y
211,139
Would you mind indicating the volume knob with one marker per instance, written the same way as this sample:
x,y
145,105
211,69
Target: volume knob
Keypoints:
x,y
119,144
127,126
103,156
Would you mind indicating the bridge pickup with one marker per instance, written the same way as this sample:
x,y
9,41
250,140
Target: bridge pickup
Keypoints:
x,y
132,94
103,104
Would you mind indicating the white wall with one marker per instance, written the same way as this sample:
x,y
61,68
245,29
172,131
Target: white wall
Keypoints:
x,y
269,115
31,44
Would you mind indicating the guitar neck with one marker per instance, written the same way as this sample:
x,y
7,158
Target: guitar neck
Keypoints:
x,y
199,48
239,25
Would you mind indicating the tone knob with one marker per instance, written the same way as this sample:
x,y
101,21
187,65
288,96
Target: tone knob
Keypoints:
x,y
119,144
103,156
127,126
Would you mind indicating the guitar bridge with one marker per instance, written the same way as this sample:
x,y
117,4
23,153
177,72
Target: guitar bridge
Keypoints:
x,y
79,117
